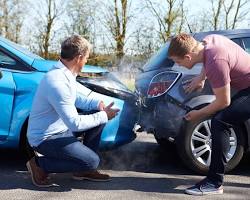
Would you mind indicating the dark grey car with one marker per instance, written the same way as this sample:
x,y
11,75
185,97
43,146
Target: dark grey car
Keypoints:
x,y
163,103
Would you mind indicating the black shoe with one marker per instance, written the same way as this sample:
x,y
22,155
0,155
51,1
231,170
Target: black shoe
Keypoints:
x,y
204,187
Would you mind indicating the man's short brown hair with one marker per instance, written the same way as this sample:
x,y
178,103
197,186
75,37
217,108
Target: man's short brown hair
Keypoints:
x,y
73,46
181,44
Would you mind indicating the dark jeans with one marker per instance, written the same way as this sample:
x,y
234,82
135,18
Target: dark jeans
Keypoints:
x,y
65,153
233,115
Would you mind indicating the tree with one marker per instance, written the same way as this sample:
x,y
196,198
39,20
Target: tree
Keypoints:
x,y
170,17
144,44
48,12
228,8
216,10
81,18
12,14
116,22
237,8
222,14
227,13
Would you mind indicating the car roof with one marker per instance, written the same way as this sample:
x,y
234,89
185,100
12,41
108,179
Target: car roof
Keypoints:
x,y
235,33
18,50
45,65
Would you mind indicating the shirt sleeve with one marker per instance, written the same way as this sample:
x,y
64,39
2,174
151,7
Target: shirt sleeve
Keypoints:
x,y
83,101
60,97
218,73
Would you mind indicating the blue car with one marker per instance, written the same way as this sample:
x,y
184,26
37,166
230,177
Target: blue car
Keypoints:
x,y
21,73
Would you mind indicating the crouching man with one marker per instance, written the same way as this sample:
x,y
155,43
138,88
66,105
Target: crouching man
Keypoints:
x,y
54,122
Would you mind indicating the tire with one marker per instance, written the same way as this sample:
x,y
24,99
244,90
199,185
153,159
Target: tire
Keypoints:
x,y
195,135
23,142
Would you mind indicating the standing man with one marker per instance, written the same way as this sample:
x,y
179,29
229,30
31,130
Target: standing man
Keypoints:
x,y
226,65
54,122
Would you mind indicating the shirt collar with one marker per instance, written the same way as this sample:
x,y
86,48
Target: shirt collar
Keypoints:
x,y
67,72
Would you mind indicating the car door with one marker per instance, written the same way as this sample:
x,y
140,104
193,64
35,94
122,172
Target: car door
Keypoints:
x,y
7,90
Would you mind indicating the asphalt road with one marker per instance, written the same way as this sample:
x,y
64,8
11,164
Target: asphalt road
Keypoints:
x,y
140,170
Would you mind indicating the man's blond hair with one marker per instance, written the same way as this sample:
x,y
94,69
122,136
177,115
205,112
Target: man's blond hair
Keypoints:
x,y
181,44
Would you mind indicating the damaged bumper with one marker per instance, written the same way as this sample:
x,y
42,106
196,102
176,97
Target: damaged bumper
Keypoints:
x,y
119,130
163,118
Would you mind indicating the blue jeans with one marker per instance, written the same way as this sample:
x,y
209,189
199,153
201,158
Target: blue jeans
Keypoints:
x,y
65,153
233,115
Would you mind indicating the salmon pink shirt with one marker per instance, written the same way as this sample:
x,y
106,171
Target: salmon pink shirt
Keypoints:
x,y
225,62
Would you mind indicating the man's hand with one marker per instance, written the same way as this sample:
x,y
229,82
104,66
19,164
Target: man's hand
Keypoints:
x,y
101,105
222,100
194,115
195,83
111,112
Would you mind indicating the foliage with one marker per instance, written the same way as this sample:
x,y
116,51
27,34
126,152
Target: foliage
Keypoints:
x,y
124,33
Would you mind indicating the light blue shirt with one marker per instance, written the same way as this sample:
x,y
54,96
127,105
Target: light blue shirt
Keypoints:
x,y
54,106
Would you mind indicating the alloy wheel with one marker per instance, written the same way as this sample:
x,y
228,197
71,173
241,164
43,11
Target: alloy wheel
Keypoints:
x,y
201,143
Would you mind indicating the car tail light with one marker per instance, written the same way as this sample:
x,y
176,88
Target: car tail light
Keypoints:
x,y
161,83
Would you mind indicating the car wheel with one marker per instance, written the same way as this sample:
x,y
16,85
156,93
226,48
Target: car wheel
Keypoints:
x,y
194,146
23,140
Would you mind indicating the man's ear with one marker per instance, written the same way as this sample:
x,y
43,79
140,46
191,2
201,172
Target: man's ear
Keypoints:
x,y
188,57
78,58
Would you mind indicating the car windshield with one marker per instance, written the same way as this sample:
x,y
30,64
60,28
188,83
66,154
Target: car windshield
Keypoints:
x,y
159,60
20,48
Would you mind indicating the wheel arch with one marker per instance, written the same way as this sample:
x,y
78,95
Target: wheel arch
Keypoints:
x,y
23,134
245,141
200,101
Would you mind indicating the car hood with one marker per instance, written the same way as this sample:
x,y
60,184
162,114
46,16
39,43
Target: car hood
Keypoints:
x,y
46,65
106,83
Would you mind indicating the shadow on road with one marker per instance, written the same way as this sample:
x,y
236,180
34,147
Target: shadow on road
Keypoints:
x,y
145,157
14,175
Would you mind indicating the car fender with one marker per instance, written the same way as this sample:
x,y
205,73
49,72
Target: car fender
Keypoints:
x,y
20,115
200,100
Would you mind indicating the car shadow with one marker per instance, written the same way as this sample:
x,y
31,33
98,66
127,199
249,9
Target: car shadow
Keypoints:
x,y
17,180
157,166
14,175
128,159
144,156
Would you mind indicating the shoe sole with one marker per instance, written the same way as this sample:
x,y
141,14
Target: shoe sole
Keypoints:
x,y
90,179
32,178
204,193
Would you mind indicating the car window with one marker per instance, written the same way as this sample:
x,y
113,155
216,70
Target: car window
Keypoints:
x,y
237,41
246,43
8,62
